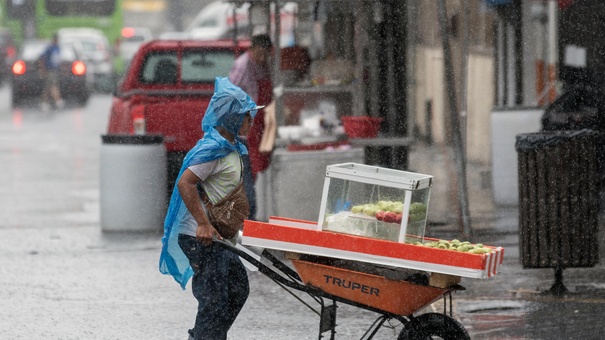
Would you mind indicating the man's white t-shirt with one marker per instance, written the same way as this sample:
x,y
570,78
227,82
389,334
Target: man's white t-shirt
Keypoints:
x,y
218,178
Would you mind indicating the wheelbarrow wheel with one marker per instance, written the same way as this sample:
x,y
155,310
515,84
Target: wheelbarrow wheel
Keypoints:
x,y
434,326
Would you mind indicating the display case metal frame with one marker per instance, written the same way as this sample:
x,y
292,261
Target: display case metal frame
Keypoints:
x,y
373,175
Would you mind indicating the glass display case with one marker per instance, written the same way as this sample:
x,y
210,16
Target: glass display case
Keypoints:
x,y
375,202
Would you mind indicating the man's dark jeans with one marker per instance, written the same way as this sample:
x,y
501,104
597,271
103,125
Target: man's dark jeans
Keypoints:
x,y
220,285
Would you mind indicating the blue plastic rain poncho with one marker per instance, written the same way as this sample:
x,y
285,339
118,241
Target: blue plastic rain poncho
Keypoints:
x,y
227,108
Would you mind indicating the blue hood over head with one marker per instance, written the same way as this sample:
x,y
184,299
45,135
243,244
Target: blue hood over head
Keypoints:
x,y
228,107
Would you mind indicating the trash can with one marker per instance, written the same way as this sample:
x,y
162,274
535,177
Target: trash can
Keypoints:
x,y
558,203
132,183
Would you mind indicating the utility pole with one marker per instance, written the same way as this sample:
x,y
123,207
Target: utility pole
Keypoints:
x,y
25,11
464,78
463,209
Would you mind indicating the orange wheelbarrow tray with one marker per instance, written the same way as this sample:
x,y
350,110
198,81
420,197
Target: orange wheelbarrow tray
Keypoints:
x,y
403,296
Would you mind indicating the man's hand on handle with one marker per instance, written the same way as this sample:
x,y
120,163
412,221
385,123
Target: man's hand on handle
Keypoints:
x,y
206,233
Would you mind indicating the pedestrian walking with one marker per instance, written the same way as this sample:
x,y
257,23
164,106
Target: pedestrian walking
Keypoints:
x,y
220,281
50,62
251,72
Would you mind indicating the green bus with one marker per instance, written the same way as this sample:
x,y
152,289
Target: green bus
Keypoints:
x,y
44,17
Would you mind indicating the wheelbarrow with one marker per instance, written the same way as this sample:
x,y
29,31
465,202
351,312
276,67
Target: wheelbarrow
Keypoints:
x,y
393,294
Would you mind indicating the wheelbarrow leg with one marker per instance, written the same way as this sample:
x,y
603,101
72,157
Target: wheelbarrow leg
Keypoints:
x,y
327,320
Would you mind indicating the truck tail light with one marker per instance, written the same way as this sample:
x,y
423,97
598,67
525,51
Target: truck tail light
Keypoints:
x,y
19,68
78,68
138,120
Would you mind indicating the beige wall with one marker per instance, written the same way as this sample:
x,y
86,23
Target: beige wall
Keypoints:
x,y
479,104
429,87
428,73
429,81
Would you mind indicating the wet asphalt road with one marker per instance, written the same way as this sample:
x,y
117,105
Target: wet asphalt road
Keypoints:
x,y
62,278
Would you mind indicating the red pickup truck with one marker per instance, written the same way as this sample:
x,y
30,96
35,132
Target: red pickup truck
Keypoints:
x,y
166,90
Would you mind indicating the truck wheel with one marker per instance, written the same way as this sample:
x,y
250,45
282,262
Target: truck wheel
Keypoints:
x,y
434,326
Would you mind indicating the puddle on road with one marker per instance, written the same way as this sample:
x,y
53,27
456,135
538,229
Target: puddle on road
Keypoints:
x,y
488,317
494,307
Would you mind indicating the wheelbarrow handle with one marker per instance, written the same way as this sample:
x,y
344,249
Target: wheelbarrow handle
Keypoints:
x,y
294,280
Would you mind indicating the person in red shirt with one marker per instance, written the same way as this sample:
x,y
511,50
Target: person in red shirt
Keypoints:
x,y
252,73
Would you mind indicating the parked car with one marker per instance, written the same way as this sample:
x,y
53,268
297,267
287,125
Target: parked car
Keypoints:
x,y
216,21
97,54
28,81
167,89
8,53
